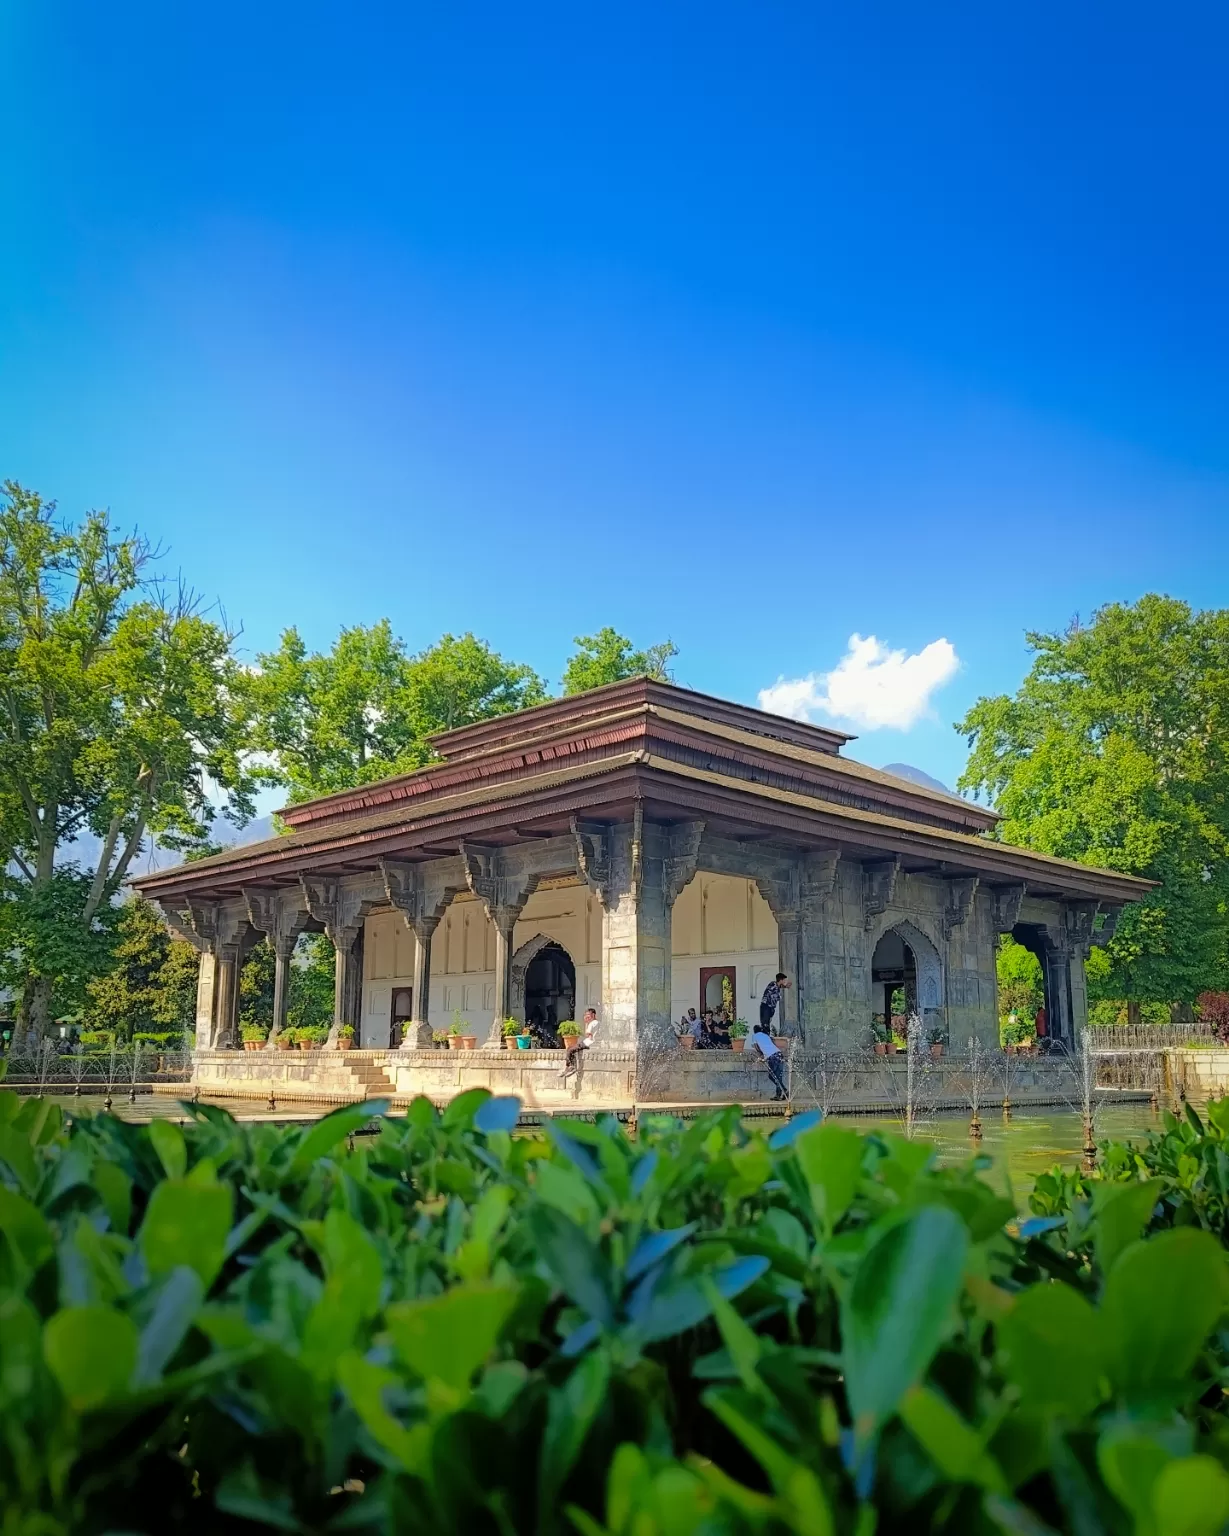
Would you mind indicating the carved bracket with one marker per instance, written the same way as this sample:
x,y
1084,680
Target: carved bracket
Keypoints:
x,y
1005,910
878,888
1078,919
592,840
502,884
421,892
682,853
960,894
280,916
817,881
339,909
210,926
1109,924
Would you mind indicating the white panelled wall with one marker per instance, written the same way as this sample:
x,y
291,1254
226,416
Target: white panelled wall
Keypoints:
x,y
718,921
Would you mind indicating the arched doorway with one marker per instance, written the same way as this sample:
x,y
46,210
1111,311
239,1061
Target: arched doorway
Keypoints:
x,y
906,978
547,993
1055,983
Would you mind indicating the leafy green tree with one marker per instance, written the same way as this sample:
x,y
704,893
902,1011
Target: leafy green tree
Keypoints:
x,y
1021,989
120,717
310,999
364,710
1114,752
256,986
150,983
608,657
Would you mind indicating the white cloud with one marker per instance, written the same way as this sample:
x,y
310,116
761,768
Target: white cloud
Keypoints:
x,y
871,686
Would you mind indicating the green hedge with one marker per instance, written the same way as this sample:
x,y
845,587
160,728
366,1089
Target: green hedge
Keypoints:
x,y
445,1327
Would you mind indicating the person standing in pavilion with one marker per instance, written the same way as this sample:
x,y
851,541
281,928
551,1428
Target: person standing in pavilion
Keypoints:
x,y
771,1000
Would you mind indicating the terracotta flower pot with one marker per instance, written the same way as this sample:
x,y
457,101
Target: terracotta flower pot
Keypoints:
x,y
283,1045
307,1045
687,1042
891,1047
454,1042
739,1044
469,1042
1010,1050
881,1047
569,1041
936,1050
346,1044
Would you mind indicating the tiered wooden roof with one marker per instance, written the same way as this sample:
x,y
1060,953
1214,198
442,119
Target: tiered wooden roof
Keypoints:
x,y
679,755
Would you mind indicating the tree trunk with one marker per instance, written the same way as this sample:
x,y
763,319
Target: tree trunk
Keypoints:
x,y
34,1015
1181,1013
1134,1015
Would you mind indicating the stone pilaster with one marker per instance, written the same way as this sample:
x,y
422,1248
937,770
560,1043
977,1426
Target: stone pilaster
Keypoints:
x,y
649,864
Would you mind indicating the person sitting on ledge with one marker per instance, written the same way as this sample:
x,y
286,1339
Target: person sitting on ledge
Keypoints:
x,y
571,1061
718,1038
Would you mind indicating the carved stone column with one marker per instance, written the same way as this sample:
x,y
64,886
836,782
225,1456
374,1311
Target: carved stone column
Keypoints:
x,y
421,893
280,916
226,1008
503,880
817,874
342,910
216,930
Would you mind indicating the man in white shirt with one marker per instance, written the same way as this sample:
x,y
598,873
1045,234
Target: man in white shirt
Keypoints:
x,y
762,1042
583,1044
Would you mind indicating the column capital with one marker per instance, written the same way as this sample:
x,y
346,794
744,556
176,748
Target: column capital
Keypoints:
x,y
501,882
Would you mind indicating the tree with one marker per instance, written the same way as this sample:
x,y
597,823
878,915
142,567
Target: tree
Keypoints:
x,y
120,717
608,657
366,709
150,983
310,992
1114,752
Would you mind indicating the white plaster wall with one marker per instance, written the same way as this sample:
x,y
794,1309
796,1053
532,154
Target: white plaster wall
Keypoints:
x,y
721,920
463,957
717,921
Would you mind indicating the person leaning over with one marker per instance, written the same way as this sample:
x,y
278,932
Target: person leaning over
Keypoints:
x,y
763,1042
583,1044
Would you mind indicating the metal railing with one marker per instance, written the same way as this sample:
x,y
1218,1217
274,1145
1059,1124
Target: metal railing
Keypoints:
x,y
1151,1037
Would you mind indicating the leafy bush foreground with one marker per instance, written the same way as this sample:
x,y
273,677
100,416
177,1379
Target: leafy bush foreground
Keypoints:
x,y
443,1327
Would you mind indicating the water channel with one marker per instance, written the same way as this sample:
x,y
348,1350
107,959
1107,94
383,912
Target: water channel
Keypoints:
x,y
1020,1147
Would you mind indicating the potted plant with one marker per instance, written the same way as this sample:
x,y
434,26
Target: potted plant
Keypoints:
x,y
345,1037
738,1035
454,1036
440,1037
687,1041
253,1036
285,1041
935,1041
524,1042
510,1030
309,1036
881,1035
569,1034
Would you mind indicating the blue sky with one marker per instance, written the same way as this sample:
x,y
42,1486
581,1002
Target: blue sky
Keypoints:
x,y
756,326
